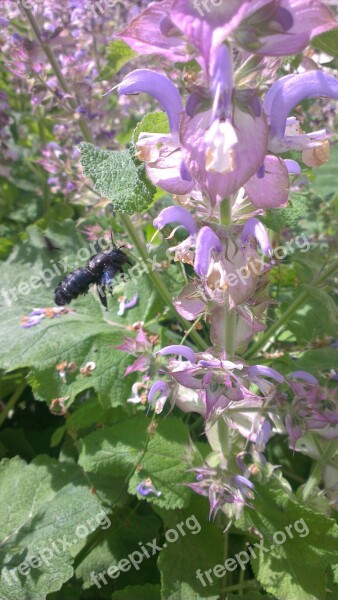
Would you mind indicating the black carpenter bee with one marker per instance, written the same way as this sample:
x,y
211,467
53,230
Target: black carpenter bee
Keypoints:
x,y
101,269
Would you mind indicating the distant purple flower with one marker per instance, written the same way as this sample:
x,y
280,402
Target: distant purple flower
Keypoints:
x,y
226,491
146,487
126,305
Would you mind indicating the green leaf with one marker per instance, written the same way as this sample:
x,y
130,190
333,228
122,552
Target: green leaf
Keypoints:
x,y
316,318
327,42
315,361
278,218
118,54
325,182
250,596
115,544
46,503
155,122
296,568
202,547
117,176
86,334
160,456
141,592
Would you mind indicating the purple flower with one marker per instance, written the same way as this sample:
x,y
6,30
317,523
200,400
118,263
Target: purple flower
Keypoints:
x,y
269,187
146,487
207,242
260,370
127,305
226,491
181,350
153,32
158,86
223,154
161,388
139,345
284,27
283,96
176,214
305,376
256,229
160,152
275,28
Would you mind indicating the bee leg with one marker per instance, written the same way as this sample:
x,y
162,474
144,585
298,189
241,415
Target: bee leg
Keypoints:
x,y
101,290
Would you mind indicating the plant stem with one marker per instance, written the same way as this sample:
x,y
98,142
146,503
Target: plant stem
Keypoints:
x,y
316,475
225,211
230,329
229,315
157,281
12,402
297,302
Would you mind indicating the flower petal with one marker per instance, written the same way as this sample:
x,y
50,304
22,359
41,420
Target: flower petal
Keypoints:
x,y
188,304
159,87
254,228
305,376
247,154
176,214
261,370
300,21
207,25
271,190
288,91
150,33
207,242
180,350
292,166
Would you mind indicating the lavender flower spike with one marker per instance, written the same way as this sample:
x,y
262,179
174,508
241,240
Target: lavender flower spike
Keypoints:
x,y
178,214
159,87
254,228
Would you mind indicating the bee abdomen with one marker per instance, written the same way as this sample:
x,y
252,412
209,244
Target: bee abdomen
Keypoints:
x,y
72,285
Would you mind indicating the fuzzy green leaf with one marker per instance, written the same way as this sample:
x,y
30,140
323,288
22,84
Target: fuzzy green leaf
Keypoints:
x,y
296,568
155,122
118,54
160,456
117,176
47,504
